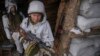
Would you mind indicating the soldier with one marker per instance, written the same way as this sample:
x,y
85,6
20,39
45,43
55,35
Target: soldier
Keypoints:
x,y
37,24
11,22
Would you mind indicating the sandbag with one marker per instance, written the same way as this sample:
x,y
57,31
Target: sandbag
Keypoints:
x,y
85,23
90,10
84,46
78,44
84,6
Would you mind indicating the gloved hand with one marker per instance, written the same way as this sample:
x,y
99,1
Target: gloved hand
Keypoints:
x,y
49,44
23,34
15,35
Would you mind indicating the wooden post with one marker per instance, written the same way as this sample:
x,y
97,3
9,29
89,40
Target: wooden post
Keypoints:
x,y
69,23
59,14
61,10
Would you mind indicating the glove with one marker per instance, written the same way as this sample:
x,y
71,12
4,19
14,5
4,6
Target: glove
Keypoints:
x,y
15,35
49,44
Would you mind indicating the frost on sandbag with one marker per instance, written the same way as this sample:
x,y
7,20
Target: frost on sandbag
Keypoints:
x,y
91,12
85,23
79,44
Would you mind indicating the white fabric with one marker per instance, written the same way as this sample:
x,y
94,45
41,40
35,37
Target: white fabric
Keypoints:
x,y
83,47
10,5
85,24
5,25
36,6
15,36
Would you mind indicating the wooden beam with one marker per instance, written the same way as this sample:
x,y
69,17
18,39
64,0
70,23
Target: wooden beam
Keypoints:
x,y
59,14
69,23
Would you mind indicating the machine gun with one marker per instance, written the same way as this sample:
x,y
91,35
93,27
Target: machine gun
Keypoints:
x,y
32,37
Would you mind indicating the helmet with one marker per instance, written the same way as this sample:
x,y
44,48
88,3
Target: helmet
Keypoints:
x,y
36,6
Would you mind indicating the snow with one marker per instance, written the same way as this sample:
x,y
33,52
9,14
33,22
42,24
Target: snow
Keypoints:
x,y
76,31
